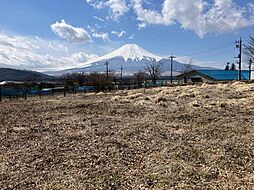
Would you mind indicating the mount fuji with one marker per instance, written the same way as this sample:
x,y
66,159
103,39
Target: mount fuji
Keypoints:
x,y
132,58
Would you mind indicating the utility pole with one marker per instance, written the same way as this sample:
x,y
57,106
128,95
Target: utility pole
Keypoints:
x,y
239,45
107,68
250,69
171,72
121,76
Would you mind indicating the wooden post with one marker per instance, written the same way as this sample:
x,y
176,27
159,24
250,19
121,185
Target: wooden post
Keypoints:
x,y
0,93
25,95
250,69
64,92
107,70
121,82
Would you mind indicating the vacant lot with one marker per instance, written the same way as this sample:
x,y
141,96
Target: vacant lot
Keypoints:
x,y
190,137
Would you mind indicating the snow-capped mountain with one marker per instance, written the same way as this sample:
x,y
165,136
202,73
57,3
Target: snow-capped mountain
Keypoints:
x,y
132,52
131,57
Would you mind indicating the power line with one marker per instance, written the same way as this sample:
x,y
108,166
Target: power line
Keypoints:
x,y
209,50
216,55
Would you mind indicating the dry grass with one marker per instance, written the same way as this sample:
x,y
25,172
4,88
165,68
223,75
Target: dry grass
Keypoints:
x,y
191,137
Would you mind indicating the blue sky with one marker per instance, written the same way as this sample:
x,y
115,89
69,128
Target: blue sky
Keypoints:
x,y
57,34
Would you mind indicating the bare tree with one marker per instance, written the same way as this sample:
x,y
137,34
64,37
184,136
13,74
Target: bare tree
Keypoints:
x,y
72,79
187,68
80,78
68,79
154,69
249,48
101,81
139,78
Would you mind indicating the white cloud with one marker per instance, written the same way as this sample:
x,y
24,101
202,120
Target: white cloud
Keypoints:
x,y
70,33
131,37
96,4
57,46
119,34
98,18
141,25
38,54
80,57
100,35
117,7
150,16
199,16
251,6
103,35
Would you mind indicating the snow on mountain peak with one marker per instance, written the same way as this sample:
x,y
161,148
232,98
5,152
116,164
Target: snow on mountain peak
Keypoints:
x,y
133,52
128,52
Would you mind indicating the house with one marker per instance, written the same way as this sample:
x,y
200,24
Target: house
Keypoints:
x,y
211,75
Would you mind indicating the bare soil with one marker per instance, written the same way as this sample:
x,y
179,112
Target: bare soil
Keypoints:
x,y
184,137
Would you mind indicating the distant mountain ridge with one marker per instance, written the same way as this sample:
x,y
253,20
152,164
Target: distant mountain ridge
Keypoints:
x,y
132,58
7,74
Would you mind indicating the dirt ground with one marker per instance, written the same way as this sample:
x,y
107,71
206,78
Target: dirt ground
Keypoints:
x,y
184,137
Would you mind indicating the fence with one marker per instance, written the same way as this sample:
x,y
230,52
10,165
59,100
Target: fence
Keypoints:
x,y
8,92
12,92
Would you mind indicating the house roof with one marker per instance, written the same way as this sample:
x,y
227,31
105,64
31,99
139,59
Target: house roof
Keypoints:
x,y
219,75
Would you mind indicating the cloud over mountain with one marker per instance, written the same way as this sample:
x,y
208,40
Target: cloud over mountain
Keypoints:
x,y
34,53
70,33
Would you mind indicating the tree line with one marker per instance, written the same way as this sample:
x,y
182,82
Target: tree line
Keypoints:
x,y
108,81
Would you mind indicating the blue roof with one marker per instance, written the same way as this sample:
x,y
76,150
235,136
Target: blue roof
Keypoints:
x,y
225,74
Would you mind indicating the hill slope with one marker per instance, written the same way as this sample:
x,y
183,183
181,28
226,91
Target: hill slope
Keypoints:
x,y
7,74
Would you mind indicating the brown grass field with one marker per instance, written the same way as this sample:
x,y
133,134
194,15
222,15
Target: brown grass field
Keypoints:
x,y
184,137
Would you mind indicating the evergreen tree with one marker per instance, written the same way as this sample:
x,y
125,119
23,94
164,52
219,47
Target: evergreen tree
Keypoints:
x,y
232,67
227,66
